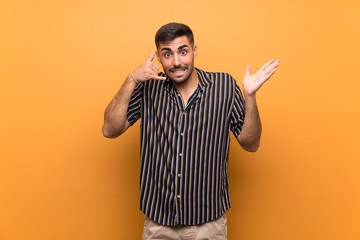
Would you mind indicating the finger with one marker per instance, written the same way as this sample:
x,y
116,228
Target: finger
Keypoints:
x,y
248,70
268,75
156,77
274,64
154,67
267,64
152,71
150,58
270,67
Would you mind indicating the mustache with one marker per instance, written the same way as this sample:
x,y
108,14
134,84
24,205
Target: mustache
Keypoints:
x,y
177,67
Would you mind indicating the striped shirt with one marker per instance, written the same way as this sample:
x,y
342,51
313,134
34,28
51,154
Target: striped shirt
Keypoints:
x,y
184,149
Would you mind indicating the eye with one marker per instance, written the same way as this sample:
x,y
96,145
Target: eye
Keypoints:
x,y
183,52
167,54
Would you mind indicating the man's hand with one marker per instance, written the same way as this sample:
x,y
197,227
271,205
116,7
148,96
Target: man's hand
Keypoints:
x,y
147,70
252,83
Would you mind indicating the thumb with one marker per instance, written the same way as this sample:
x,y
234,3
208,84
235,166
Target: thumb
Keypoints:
x,y
151,57
248,69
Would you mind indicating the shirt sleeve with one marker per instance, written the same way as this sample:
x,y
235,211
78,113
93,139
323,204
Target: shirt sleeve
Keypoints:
x,y
237,112
134,109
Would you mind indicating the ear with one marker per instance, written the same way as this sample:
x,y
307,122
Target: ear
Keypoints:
x,y
157,56
195,50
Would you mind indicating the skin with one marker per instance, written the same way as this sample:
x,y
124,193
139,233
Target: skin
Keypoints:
x,y
177,59
115,117
249,138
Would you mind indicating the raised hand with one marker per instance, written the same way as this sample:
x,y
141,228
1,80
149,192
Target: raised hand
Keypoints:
x,y
252,83
147,70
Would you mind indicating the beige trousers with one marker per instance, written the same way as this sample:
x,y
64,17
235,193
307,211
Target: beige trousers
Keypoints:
x,y
214,230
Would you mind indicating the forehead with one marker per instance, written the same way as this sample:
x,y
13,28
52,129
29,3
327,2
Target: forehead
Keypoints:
x,y
174,44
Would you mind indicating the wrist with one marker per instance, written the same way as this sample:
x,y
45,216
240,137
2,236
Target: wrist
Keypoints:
x,y
133,77
130,81
249,95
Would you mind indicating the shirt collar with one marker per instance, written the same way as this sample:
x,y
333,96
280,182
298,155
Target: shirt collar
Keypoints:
x,y
204,79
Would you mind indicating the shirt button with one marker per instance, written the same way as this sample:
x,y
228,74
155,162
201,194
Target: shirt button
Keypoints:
x,y
180,154
182,134
179,175
178,196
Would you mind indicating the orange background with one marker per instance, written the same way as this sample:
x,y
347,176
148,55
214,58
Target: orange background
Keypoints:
x,y
61,62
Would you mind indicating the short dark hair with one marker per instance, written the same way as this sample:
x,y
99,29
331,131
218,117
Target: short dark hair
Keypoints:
x,y
170,31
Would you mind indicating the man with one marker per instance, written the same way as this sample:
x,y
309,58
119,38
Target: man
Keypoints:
x,y
186,118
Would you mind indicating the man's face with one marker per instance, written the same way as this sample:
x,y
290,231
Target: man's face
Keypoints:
x,y
177,58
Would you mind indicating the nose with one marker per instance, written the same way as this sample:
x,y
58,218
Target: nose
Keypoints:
x,y
176,60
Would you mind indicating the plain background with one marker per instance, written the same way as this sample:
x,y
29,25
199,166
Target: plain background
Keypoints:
x,y
61,62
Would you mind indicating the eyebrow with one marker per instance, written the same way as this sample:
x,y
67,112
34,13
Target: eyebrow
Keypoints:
x,y
182,46
179,48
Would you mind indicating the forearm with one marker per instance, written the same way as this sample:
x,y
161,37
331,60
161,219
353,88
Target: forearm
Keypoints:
x,y
115,117
249,137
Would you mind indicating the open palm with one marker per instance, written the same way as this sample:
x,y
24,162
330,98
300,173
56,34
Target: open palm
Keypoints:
x,y
252,83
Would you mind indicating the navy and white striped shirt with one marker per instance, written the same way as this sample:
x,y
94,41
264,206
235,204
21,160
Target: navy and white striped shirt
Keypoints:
x,y
184,149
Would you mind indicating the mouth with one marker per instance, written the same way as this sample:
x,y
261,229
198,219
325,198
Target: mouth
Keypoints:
x,y
178,71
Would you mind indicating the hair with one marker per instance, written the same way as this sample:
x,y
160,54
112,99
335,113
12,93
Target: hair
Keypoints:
x,y
171,31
